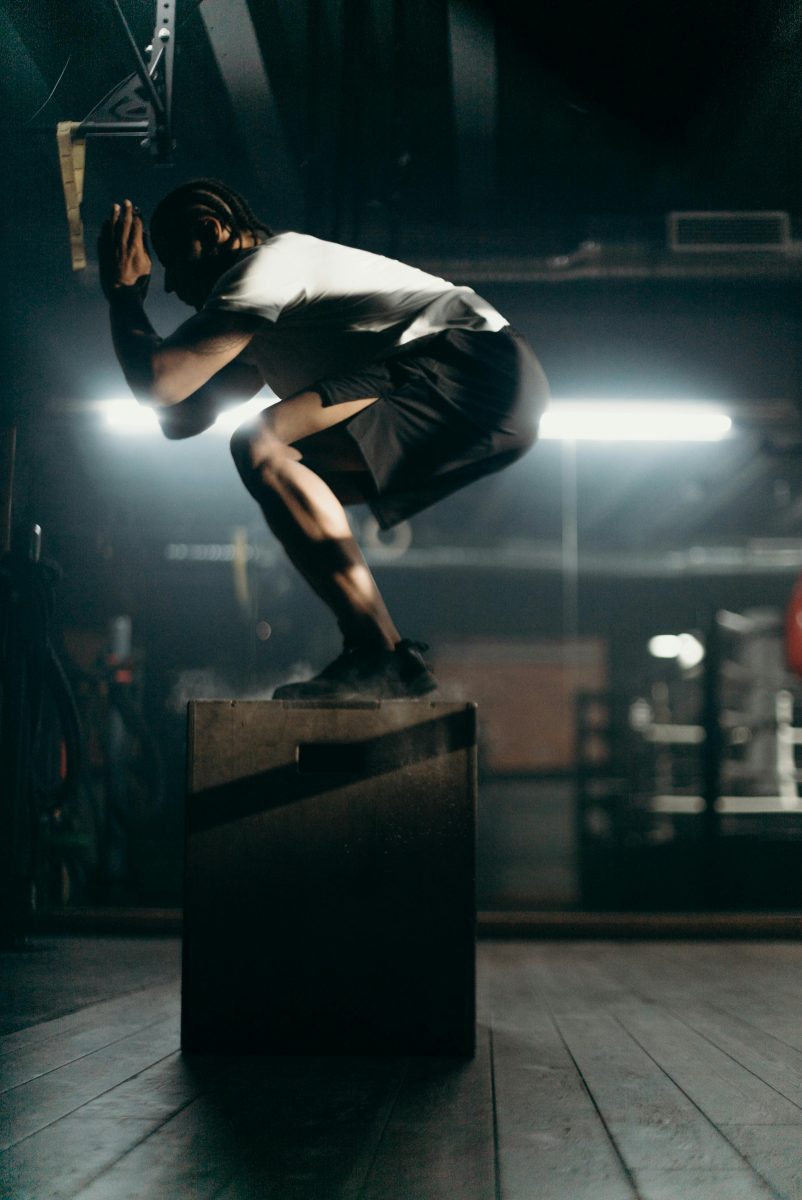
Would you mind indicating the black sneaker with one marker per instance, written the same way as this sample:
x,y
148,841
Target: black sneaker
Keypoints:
x,y
362,672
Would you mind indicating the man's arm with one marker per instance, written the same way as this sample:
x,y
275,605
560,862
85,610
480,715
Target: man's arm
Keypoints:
x,y
234,383
161,372
165,371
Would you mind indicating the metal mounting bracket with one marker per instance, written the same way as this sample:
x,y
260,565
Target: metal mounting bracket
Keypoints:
x,y
141,105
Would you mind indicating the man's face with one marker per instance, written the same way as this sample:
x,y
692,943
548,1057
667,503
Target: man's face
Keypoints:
x,y
192,263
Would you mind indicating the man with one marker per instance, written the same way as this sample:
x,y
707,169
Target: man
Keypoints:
x,y
397,388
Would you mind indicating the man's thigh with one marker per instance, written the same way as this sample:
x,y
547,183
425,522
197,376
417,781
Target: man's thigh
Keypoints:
x,y
331,451
304,415
336,458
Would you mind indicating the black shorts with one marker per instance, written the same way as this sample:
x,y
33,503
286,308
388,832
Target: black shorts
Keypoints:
x,y
451,408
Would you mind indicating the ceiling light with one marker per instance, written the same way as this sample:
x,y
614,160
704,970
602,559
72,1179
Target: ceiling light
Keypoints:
x,y
684,647
633,421
125,415
665,645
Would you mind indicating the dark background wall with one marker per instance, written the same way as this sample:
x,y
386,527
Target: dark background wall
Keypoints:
x,y
532,150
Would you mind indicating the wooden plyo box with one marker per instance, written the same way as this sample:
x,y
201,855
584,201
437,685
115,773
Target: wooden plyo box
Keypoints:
x,y
330,875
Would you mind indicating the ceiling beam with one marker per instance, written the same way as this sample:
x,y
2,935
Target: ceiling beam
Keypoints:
x,y
236,48
474,83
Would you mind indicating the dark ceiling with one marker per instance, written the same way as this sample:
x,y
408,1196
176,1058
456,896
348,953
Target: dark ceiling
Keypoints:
x,y
504,114
495,135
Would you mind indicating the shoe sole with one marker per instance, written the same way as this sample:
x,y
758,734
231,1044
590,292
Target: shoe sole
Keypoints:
x,y
420,687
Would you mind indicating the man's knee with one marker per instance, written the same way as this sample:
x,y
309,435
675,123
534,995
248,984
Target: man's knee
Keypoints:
x,y
241,445
259,455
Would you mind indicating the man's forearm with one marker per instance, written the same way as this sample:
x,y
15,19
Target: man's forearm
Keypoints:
x,y
135,342
231,386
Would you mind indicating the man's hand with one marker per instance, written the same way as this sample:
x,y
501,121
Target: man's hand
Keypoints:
x,y
122,251
163,372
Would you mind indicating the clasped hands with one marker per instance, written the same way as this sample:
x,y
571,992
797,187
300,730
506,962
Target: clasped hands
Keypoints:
x,y
122,251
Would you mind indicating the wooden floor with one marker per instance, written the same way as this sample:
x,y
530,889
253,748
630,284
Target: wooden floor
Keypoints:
x,y
606,1071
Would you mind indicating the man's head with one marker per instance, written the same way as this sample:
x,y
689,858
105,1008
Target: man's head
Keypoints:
x,y
197,231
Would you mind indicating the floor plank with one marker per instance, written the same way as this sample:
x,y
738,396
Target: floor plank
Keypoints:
x,y
50,977
774,1151
325,1142
653,1123
657,1126
290,1128
191,1155
61,1159
719,1085
89,1017
439,1141
728,974
104,1029
773,1061
682,1184
551,1142
29,1108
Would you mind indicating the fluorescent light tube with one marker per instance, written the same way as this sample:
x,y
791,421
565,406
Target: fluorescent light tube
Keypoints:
x,y
633,421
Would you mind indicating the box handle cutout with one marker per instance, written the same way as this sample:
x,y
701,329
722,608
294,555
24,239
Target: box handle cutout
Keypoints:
x,y
331,758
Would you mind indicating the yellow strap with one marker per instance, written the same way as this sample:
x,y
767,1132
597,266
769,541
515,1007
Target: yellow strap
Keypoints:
x,y
72,159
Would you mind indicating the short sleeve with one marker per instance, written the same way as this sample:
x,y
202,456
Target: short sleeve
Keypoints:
x,y
264,283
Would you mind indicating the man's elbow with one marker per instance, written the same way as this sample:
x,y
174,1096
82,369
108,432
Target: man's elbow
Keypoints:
x,y
163,392
148,389
176,431
185,421
171,417
165,386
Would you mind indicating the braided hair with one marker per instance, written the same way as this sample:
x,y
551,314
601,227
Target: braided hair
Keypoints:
x,y
207,196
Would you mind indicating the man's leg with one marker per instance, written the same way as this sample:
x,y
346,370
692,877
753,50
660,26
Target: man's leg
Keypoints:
x,y
307,516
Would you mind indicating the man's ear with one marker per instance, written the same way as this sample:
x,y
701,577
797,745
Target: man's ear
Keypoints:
x,y
211,233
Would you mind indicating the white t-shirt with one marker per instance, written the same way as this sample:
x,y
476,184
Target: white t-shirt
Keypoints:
x,y
330,309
